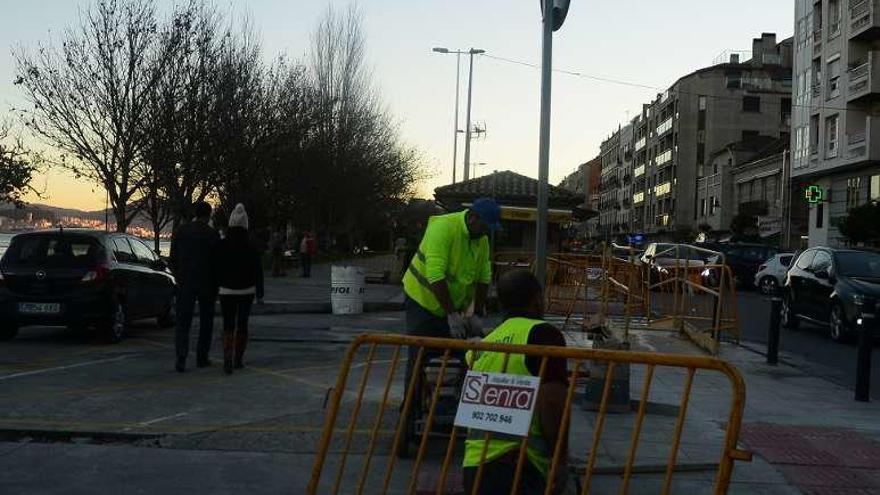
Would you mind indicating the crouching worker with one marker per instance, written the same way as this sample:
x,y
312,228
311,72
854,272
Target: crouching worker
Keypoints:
x,y
521,299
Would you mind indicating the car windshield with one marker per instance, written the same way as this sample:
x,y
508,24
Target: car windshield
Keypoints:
x,y
52,251
858,264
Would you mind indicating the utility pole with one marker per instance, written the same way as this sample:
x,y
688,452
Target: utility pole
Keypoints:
x,y
455,130
554,12
467,132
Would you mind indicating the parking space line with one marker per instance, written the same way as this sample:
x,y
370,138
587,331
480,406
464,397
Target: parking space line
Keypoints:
x,y
59,368
156,420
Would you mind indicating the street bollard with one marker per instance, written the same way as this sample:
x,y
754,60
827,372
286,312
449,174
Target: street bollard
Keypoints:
x,y
865,324
773,331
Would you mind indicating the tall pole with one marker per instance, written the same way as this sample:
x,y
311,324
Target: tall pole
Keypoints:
x,y
455,127
467,132
544,146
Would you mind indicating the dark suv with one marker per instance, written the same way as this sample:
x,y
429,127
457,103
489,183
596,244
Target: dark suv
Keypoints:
x,y
744,259
81,278
823,285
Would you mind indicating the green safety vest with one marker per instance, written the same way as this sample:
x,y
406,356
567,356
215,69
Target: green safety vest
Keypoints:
x,y
447,252
512,331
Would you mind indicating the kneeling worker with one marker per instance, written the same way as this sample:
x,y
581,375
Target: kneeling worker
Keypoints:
x,y
522,301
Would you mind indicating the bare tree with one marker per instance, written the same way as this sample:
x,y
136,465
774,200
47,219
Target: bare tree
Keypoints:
x,y
17,168
90,95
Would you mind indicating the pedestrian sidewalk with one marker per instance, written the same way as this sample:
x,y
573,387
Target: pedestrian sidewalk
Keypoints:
x,y
294,294
807,434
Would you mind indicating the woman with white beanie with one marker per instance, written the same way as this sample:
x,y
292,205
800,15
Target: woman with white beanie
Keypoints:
x,y
241,278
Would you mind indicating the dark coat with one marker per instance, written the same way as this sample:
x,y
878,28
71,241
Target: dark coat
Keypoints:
x,y
238,262
193,251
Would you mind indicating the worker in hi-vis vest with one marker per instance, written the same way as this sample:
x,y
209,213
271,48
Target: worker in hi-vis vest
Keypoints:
x,y
451,270
522,302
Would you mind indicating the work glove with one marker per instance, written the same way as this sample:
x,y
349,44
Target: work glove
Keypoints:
x,y
456,326
474,326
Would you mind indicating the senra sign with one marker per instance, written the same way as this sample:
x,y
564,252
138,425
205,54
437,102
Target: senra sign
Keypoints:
x,y
497,402
480,391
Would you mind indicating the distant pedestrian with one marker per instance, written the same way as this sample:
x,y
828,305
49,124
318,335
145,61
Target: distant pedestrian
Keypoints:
x,y
192,261
277,244
241,278
308,247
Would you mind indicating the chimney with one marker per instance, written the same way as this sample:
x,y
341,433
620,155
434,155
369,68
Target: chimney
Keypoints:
x,y
757,49
734,58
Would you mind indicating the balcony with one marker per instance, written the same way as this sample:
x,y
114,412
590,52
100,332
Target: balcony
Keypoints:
x,y
817,42
817,90
864,79
864,23
863,144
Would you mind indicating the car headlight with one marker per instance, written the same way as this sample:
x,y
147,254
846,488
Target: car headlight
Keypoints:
x,y
859,299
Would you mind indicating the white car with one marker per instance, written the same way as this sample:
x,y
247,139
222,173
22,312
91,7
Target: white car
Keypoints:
x,y
771,274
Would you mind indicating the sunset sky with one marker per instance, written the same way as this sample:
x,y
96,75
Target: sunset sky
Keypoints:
x,y
646,42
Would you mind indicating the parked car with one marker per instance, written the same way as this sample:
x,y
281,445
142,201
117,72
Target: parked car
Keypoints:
x,y
743,259
83,278
663,258
771,274
824,284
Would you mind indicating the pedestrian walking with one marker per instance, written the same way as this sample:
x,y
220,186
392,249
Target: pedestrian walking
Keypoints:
x,y
307,248
241,278
277,244
193,250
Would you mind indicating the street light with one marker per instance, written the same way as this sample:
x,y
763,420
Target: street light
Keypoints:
x,y
467,139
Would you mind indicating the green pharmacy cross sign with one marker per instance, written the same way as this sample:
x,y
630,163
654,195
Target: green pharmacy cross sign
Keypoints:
x,y
814,194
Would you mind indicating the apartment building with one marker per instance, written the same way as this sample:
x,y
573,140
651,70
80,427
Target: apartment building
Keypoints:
x,y
674,136
585,182
835,128
615,183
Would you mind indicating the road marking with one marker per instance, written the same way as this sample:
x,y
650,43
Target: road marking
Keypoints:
x,y
156,420
59,368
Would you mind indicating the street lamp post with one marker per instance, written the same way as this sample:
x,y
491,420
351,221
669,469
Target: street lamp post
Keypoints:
x,y
554,12
467,142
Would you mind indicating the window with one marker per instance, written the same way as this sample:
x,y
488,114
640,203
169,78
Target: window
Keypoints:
x,y
834,78
703,207
701,153
701,103
751,103
804,261
833,18
144,254
785,260
853,190
831,136
875,188
711,205
733,80
122,250
820,216
53,251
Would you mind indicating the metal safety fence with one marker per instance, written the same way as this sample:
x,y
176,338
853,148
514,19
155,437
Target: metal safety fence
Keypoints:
x,y
371,408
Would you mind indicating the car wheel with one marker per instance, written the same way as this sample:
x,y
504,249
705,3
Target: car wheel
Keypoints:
x,y
789,319
116,326
8,332
768,285
169,318
837,330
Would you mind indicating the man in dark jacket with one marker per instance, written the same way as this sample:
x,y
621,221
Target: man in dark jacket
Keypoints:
x,y
192,262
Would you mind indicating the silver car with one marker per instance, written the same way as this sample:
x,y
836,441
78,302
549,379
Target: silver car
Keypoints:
x,y
771,274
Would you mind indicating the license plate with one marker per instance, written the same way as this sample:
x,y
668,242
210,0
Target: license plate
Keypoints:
x,y
39,308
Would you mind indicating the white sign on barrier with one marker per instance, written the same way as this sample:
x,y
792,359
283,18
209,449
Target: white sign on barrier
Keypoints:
x,y
498,402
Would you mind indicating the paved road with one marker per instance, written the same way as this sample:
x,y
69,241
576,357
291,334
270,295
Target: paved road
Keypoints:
x,y
835,361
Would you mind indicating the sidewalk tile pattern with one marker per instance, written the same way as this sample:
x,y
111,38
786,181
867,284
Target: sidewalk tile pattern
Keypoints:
x,y
818,460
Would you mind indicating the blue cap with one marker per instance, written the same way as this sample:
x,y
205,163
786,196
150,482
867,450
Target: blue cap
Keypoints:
x,y
488,211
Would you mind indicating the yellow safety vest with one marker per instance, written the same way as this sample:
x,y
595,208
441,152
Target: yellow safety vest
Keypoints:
x,y
447,252
512,331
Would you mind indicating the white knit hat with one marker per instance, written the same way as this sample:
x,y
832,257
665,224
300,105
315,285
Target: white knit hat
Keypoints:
x,y
239,217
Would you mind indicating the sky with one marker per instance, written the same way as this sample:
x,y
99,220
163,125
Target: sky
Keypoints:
x,y
646,42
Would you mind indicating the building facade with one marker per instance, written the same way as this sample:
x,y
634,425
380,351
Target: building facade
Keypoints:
x,y
675,135
835,138
615,183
